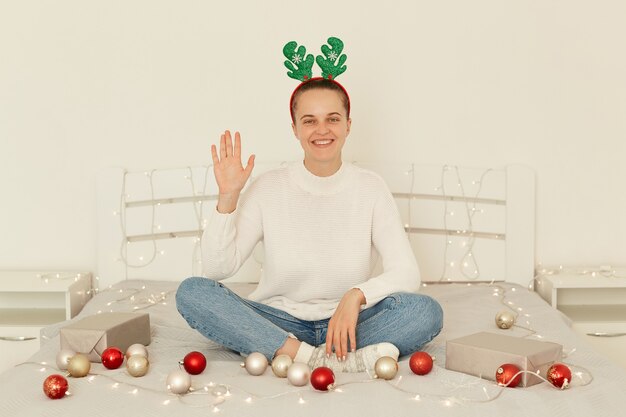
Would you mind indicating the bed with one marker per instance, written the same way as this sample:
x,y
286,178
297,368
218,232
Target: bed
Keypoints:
x,y
472,231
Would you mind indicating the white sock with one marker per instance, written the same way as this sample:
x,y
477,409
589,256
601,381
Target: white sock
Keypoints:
x,y
361,360
304,353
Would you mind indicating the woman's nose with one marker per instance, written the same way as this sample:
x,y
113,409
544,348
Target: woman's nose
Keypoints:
x,y
322,127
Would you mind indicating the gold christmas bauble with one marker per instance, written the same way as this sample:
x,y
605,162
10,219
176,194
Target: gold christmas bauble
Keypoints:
x,y
386,367
281,364
79,365
137,365
505,319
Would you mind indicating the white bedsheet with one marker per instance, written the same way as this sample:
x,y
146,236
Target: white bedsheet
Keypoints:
x,y
467,308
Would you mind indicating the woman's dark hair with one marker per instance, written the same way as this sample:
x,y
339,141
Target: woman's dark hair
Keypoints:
x,y
319,83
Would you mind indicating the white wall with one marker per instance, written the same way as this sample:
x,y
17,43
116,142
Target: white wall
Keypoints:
x,y
90,84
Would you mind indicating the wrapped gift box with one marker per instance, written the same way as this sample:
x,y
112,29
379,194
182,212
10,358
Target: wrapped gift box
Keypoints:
x,y
93,334
481,354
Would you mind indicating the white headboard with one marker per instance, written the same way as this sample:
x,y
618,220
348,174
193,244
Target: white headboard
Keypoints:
x,y
464,224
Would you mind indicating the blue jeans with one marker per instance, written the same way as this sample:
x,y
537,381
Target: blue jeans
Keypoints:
x,y
409,321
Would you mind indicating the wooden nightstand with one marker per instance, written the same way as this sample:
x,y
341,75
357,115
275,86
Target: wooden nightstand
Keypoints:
x,y
595,301
30,300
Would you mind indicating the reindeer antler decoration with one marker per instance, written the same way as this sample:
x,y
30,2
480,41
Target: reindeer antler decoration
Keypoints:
x,y
332,61
300,64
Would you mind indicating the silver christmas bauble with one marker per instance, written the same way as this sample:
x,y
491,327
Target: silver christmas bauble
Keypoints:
x,y
137,365
281,364
136,349
386,367
298,374
63,358
505,319
178,381
255,363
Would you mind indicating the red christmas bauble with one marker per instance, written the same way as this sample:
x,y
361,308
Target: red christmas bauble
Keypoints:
x,y
559,375
421,363
322,378
112,358
505,374
55,386
194,363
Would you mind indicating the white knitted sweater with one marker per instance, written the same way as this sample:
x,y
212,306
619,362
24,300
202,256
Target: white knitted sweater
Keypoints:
x,y
322,237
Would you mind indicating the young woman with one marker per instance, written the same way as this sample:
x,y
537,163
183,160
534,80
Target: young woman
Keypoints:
x,y
322,222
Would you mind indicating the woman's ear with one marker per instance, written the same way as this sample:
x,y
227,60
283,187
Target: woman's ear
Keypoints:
x,y
349,125
293,127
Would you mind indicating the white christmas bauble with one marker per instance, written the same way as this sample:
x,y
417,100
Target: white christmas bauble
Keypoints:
x,y
136,349
281,364
178,381
255,364
505,319
298,374
63,358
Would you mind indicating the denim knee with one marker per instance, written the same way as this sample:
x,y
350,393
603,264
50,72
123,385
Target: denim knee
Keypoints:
x,y
432,309
191,288
426,317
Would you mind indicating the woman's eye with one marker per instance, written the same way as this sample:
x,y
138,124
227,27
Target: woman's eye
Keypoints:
x,y
334,119
308,122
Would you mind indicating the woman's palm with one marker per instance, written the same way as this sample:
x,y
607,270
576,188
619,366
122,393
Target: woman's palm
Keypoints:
x,y
229,172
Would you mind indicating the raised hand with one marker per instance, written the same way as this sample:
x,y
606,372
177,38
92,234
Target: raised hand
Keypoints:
x,y
230,174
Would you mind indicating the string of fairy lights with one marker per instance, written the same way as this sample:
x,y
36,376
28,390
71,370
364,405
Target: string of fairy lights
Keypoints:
x,y
216,395
219,393
606,271
200,222
198,210
468,264
468,260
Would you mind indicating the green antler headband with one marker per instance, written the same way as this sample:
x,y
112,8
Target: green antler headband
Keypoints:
x,y
300,64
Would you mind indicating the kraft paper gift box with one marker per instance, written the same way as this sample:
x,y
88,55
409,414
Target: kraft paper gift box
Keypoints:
x,y
93,334
481,354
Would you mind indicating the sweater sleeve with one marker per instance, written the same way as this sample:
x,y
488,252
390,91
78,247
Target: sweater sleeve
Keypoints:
x,y
228,239
400,270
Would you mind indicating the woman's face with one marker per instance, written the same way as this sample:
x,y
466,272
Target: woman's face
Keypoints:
x,y
321,125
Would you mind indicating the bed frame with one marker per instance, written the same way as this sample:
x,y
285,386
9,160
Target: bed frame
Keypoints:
x,y
464,224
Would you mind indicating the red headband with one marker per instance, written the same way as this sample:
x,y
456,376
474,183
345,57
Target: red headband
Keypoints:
x,y
313,79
